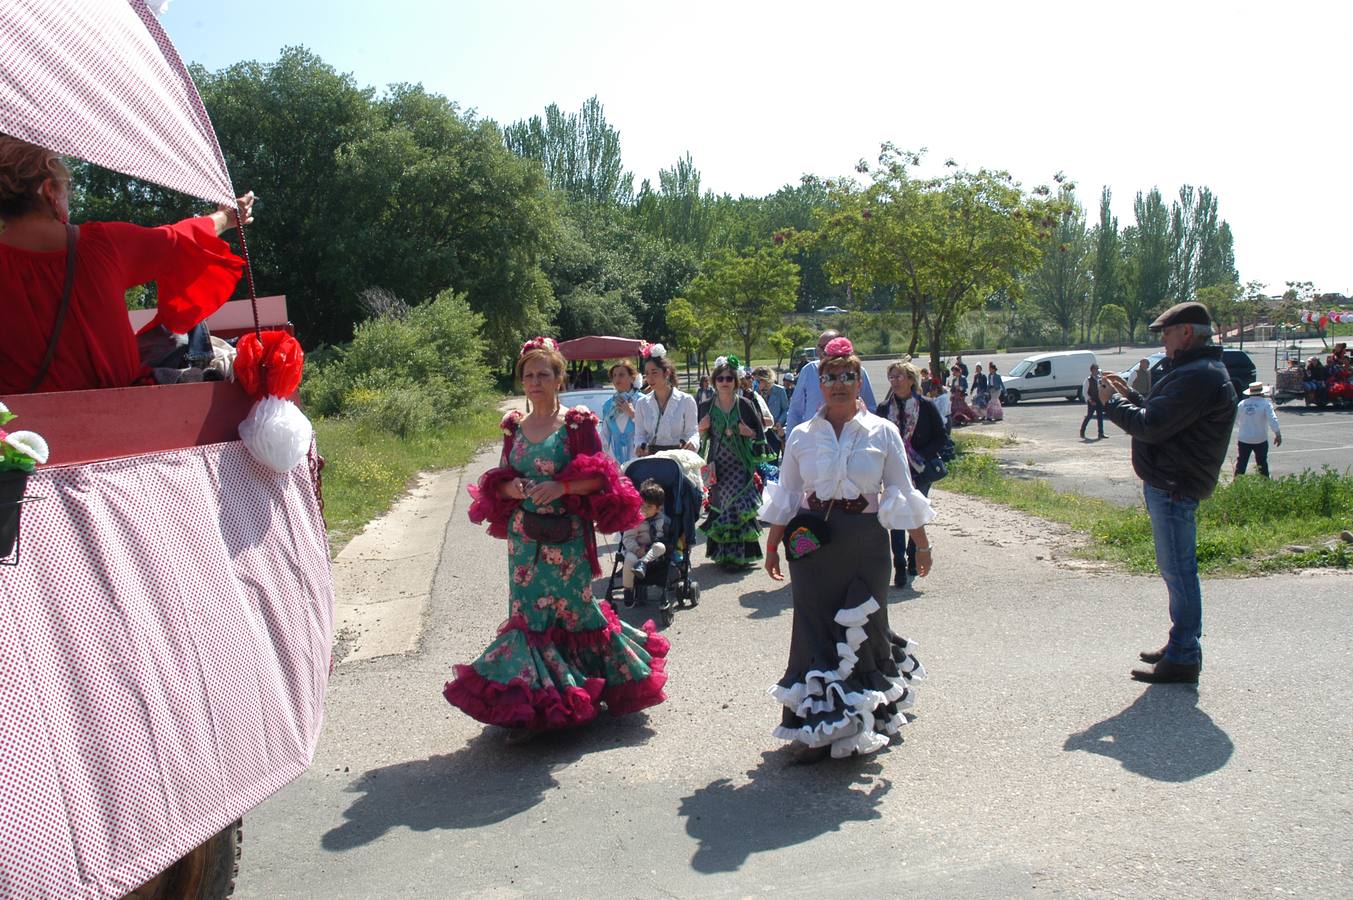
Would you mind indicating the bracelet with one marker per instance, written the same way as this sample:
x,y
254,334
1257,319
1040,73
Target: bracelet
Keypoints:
x,y
565,483
922,549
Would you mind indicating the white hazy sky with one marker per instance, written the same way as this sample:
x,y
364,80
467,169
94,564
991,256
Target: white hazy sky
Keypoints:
x,y
1250,99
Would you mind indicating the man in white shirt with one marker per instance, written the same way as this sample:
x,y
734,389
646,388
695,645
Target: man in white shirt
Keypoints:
x,y
1254,417
807,397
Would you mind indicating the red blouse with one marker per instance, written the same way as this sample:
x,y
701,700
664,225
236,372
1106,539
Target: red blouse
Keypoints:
x,y
194,270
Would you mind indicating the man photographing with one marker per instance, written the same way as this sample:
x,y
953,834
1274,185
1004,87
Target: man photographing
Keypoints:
x,y
1180,436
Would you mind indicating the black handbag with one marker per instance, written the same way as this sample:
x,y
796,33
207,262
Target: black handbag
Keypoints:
x,y
545,529
805,534
935,469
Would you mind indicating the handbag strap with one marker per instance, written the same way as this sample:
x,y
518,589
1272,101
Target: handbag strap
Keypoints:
x,y
72,237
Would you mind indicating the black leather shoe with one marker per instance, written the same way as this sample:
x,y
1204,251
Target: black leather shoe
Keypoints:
x,y
1166,672
1152,656
900,578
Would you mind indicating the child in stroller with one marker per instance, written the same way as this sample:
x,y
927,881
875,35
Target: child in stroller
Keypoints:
x,y
666,576
643,543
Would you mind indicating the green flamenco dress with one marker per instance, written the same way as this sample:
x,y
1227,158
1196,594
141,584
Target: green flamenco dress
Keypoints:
x,y
561,654
731,528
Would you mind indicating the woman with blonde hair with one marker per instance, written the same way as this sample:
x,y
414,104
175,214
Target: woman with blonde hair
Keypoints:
x,y
844,482
63,286
561,654
918,421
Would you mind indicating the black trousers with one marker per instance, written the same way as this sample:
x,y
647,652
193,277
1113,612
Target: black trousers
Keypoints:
x,y
1260,451
1090,413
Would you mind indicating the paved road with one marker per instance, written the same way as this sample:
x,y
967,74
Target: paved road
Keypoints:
x,y
1034,765
1049,446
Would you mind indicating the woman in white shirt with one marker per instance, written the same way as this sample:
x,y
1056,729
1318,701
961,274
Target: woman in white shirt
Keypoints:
x,y
665,419
849,676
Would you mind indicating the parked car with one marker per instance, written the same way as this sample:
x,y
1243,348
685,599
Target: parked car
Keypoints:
x,y
1048,375
1238,364
829,311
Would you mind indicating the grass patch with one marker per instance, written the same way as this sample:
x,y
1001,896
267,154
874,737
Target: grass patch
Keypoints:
x,y
368,467
1243,529
967,441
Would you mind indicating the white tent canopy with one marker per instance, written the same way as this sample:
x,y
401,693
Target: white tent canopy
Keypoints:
x,y
99,80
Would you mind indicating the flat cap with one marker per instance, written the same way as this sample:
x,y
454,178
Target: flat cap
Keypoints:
x,y
1190,313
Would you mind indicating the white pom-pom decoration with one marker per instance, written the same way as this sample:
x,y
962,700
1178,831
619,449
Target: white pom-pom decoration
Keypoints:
x,y
277,433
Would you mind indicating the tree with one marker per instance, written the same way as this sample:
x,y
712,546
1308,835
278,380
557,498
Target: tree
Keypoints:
x,y
1113,319
1060,287
1107,265
944,244
750,292
782,343
1147,246
677,211
579,153
692,332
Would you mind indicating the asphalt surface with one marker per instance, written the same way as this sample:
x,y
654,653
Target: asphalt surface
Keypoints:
x,y
1049,445
1033,767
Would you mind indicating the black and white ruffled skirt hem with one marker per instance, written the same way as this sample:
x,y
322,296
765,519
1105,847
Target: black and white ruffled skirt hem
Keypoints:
x,y
857,706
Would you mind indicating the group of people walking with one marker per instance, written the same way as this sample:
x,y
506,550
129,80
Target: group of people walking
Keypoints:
x,y
845,480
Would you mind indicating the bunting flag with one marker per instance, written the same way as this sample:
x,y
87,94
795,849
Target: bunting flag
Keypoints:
x,y
99,80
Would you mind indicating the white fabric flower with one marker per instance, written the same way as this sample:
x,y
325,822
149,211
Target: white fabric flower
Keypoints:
x,y
30,444
657,351
276,433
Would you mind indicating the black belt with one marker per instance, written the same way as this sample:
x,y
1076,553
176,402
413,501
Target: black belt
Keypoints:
x,y
858,505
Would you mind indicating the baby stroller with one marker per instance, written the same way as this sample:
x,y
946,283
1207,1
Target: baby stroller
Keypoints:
x,y
668,579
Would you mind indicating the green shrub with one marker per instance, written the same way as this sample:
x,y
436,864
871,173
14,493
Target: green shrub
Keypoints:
x,y
406,374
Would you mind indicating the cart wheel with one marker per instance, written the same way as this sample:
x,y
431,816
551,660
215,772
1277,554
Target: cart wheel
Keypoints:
x,y
206,873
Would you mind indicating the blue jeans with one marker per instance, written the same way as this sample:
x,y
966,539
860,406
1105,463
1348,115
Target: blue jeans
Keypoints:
x,y
904,548
1175,528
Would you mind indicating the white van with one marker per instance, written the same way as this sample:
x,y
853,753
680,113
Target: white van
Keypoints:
x,y
1049,375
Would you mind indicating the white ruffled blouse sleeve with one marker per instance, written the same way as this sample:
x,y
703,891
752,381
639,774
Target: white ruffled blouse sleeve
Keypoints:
x,y
782,499
901,506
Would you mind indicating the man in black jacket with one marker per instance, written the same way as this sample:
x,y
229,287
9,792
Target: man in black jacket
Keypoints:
x,y
1179,440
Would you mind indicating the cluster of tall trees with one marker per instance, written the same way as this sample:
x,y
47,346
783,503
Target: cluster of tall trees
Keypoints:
x,y
539,225
1119,278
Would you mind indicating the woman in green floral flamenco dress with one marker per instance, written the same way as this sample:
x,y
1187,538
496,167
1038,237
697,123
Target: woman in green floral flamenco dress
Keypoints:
x,y
561,654
736,441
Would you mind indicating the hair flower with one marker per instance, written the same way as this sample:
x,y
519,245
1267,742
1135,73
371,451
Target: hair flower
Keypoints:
x,y
839,346
654,351
539,342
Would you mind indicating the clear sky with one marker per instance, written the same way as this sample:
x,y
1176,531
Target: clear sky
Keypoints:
x,y
1250,99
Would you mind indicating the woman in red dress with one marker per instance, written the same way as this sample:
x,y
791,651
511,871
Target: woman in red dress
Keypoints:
x,y
193,268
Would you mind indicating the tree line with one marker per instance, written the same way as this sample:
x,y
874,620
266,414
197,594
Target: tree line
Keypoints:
x,y
538,225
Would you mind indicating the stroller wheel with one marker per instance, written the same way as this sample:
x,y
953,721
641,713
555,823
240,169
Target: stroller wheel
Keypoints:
x,y
693,595
667,614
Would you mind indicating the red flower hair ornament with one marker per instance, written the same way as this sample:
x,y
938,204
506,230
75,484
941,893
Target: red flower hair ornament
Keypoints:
x,y
839,346
268,367
539,342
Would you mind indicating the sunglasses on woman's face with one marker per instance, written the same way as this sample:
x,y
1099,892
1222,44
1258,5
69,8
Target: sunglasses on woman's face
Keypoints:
x,y
723,378
843,377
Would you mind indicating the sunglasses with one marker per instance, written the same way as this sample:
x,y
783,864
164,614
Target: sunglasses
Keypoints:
x,y
843,377
725,378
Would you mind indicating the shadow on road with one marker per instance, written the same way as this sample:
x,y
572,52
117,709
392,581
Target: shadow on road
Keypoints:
x,y
781,806
483,783
1162,735
767,604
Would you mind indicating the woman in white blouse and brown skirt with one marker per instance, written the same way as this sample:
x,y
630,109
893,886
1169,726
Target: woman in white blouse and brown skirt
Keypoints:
x,y
843,484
